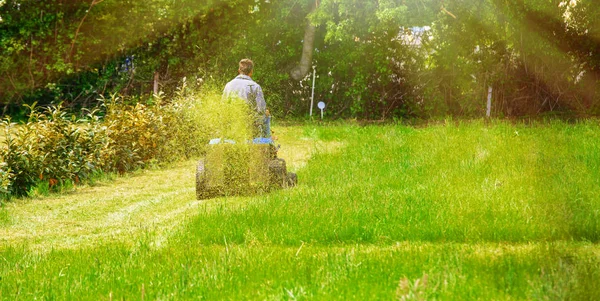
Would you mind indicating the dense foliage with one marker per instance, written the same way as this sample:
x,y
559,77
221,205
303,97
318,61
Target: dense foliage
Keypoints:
x,y
538,56
54,148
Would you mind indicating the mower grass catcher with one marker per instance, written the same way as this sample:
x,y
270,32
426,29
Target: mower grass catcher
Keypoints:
x,y
231,168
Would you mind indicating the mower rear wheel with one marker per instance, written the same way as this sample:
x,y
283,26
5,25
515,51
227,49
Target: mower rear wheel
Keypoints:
x,y
277,172
292,179
202,191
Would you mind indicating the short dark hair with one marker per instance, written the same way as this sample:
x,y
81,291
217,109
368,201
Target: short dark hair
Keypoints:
x,y
246,66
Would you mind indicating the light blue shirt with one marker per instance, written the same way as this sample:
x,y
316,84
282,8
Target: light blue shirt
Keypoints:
x,y
245,88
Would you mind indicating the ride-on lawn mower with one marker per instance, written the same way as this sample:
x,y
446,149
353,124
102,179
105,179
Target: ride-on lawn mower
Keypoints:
x,y
231,168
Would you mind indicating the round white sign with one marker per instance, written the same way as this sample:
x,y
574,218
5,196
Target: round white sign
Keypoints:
x,y
321,105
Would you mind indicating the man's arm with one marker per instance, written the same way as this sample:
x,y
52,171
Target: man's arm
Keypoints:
x,y
261,104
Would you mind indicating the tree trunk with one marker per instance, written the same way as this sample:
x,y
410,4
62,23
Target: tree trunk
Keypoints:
x,y
300,71
156,79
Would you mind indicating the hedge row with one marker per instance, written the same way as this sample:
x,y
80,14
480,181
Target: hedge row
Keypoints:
x,y
54,147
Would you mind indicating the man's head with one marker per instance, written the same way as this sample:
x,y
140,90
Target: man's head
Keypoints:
x,y
246,67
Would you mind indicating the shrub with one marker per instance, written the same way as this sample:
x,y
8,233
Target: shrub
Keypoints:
x,y
56,148
141,134
20,158
50,147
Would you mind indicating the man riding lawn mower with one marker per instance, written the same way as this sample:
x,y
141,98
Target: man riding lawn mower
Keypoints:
x,y
239,167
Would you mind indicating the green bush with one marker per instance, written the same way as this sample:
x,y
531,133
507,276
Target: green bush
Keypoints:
x,y
51,147
55,148
143,134
21,161
68,148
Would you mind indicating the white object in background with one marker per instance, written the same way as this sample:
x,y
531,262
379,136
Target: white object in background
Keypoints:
x,y
321,106
489,103
312,97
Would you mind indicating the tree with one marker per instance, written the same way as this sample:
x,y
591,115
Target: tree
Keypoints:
x,y
538,56
41,42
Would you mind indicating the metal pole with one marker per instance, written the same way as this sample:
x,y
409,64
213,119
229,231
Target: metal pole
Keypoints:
x,y
312,97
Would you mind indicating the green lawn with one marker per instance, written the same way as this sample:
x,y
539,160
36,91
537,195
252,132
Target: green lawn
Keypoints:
x,y
468,211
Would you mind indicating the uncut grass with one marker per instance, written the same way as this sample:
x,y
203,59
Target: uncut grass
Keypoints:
x,y
459,183
190,270
489,212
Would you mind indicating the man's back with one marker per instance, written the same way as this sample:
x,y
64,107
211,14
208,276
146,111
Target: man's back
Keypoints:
x,y
245,88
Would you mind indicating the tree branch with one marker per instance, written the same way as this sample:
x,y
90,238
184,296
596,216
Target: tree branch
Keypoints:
x,y
30,63
94,3
447,12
